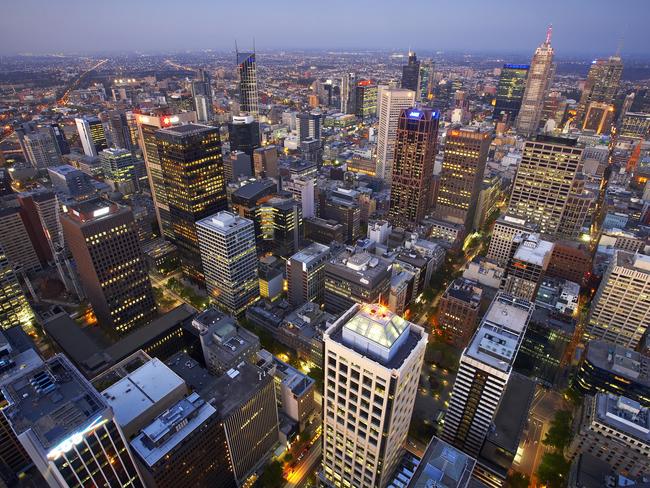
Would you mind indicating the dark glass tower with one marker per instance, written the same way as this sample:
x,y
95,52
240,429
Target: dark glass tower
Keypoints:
x,y
510,91
415,151
247,83
192,167
411,73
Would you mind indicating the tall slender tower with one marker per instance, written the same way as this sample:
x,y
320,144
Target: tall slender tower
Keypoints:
x,y
411,73
202,95
412,180
510,91
602,83
540,76
391,104
247,84
192,167
348,91
484,371
463,165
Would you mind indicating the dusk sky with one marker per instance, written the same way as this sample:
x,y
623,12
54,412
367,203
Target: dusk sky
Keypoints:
x,y
580,26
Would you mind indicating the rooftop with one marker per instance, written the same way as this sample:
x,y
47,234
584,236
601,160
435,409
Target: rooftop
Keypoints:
x,y
620,360
170,428
299,383
534,250
624,415
186,129
361,267
442,466
501,331
224,222
466,291
376,332
311,253
53,401
236,387
140,390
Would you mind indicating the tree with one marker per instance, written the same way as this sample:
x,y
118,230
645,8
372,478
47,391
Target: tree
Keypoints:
x,y
271,477
518,480
553,470
559,434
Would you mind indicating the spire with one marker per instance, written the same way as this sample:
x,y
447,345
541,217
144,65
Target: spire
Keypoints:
x,y
549,33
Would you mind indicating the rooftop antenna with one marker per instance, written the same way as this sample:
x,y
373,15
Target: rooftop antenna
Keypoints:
x,y
253,45
549,33
236,49
619,46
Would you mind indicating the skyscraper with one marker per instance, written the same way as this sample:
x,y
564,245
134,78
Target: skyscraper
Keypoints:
x,y
308,125
265,162
484,371
41,149
463,165
540,76
120,130
510,92
348,102
244,134
620,312
202,95
147,127
425,87
103,240
391,104
14,308
92,135
227,244
192,166
248,103
118,166
372,368
366,99
411,73
601,85
68,429
306,274
544,182
412,180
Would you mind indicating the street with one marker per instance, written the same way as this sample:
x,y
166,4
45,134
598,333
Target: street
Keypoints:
x,y
531,449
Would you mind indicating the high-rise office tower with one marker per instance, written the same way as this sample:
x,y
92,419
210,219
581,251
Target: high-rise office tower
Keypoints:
x,y
506,228
40,211
227,244
540,76
620,312
458,311
463,165
601,85
92,135
302,188
244,134
365,99
391,103
118,166
59,137
202,95
599,118
484,371
192,166
248,103
41,149
265,162
279,220
14,308
184,446
120,130
510,92
103,240
147,127
372,368
411,73
544,182
425,87
306,274
16,240
68,429
356,277
527,266
412,180
308,125
71,181
348,101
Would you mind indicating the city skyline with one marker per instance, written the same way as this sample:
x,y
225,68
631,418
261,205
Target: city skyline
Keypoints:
x,y
579,27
